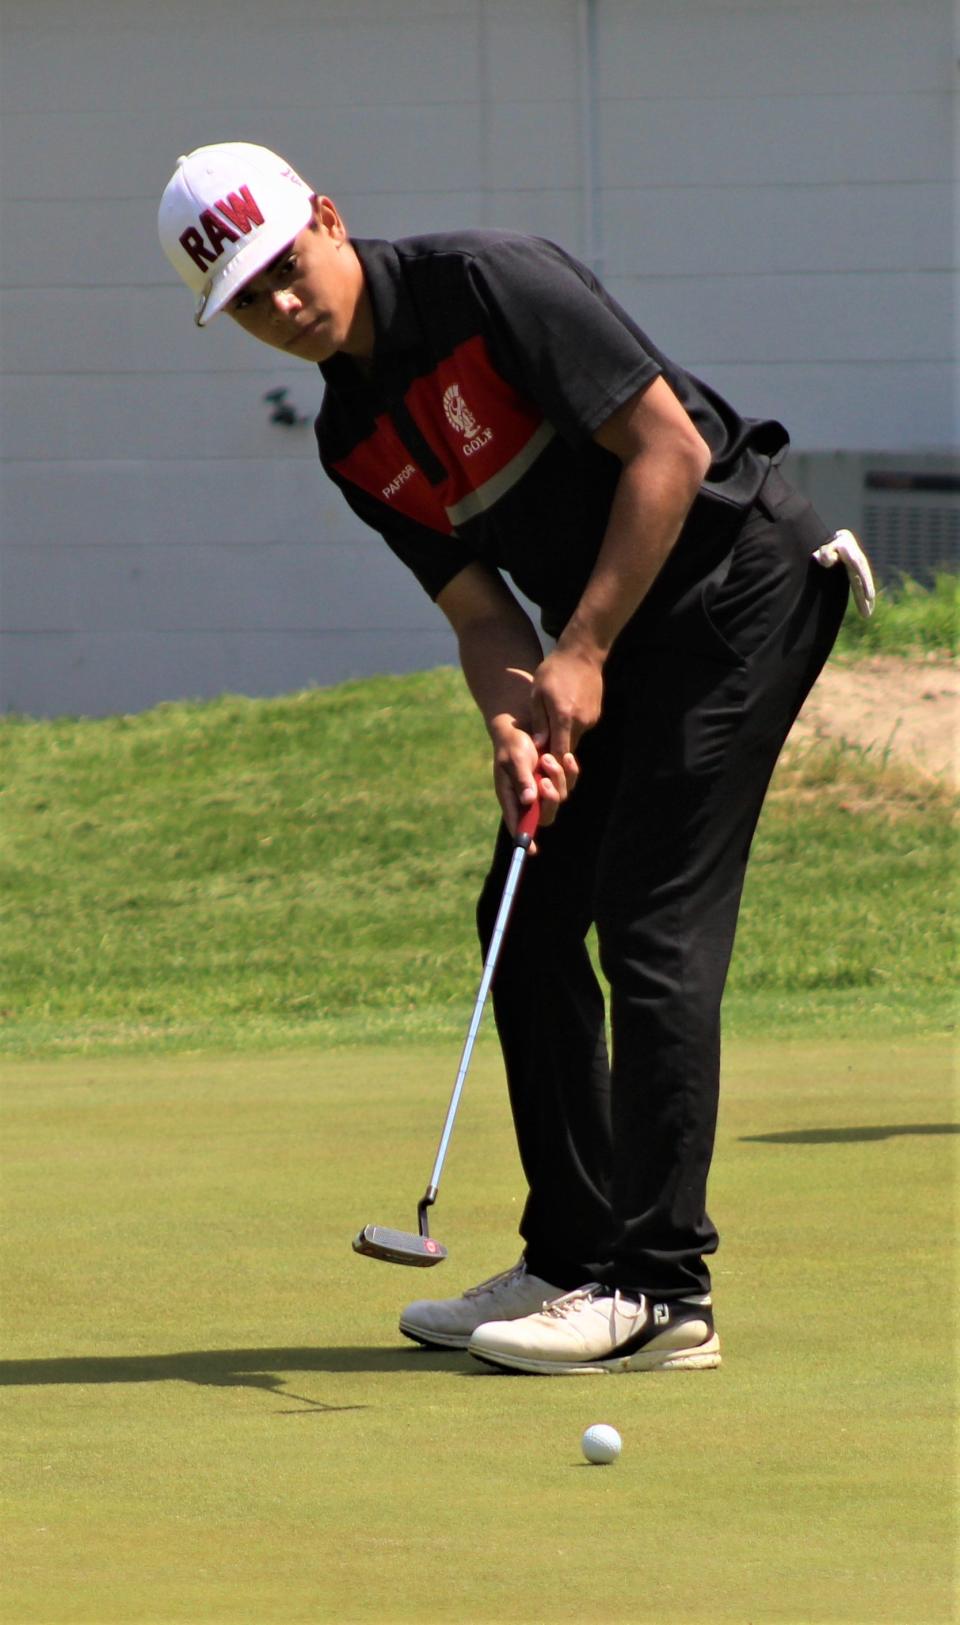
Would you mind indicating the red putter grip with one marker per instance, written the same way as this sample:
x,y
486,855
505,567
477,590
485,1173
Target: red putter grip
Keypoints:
x,y
527,827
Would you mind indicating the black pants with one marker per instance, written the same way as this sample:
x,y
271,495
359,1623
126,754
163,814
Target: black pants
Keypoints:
x,y
652,847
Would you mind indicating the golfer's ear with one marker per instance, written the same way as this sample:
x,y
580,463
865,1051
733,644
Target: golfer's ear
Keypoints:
x,y
327,217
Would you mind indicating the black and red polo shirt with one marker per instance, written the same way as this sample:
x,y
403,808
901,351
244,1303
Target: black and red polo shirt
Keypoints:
x,y
469,439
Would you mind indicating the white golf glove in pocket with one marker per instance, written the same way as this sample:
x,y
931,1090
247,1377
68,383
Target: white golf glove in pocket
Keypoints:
x,y
843,548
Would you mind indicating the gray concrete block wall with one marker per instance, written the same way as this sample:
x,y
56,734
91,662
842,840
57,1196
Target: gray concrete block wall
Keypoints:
x,y
766,184
780,204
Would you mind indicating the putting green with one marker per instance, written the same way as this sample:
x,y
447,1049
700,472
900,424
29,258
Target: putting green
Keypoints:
x,y
211,1418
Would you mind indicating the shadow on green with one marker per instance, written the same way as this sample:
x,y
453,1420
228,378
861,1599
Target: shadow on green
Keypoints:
x,y
848,1136
224,1368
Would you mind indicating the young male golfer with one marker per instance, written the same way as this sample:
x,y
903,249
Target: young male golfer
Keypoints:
x,y
497,417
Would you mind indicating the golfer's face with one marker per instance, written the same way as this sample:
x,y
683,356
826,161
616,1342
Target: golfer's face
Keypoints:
x,y
305,302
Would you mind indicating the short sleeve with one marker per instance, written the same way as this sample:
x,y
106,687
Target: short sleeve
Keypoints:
x,y
433,559
558,335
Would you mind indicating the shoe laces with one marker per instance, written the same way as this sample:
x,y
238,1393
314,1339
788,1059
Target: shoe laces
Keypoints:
x,y
572,1302
505,1278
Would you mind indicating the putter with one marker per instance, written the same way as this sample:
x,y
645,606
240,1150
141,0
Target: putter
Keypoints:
x,y
421,1250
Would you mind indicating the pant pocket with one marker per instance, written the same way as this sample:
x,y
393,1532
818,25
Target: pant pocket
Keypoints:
x,y
767,573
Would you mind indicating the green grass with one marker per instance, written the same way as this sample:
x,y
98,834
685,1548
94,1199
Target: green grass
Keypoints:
x,y
208,1412
909,619
278,872
210,1417
249,868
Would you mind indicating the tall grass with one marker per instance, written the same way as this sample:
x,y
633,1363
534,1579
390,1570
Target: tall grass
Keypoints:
x,y
909,619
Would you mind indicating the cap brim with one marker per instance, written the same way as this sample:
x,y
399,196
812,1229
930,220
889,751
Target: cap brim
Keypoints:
x,y
250,260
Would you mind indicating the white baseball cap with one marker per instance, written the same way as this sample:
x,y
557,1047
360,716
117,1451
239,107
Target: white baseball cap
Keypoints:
x,y
227,211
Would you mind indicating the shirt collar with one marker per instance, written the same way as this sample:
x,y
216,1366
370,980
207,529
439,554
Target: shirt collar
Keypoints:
x,y
395,322
394,318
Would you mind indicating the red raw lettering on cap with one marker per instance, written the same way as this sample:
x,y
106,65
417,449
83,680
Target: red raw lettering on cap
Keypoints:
x,y
192,241
242,209
217,232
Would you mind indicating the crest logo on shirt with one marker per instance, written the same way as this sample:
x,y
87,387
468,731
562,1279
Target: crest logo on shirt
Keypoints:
x,y
460,417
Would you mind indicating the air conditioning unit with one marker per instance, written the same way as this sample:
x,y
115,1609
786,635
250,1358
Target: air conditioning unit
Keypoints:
x,y
904,508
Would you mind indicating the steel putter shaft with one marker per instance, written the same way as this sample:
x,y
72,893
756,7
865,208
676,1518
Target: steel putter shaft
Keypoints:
x,y
401,1246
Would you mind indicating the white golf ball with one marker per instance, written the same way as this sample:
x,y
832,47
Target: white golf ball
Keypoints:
x,y
601,1444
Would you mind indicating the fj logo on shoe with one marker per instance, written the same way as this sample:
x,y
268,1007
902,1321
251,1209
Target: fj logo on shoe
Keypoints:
x,y
661,1314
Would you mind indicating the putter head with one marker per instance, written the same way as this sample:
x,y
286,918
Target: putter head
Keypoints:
x,y
399,1247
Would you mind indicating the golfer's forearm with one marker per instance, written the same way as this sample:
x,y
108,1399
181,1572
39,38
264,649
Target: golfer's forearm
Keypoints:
x,y
498,657
651,502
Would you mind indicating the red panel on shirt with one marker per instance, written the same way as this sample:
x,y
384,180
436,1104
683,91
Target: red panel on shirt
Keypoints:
x,y
382,466
473,420
474,423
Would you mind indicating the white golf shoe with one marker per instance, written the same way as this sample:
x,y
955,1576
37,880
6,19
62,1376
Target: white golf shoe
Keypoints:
x,y
594,1329
449,1323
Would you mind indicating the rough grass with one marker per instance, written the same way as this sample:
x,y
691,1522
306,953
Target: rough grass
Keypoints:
x,y
908,619
275,872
